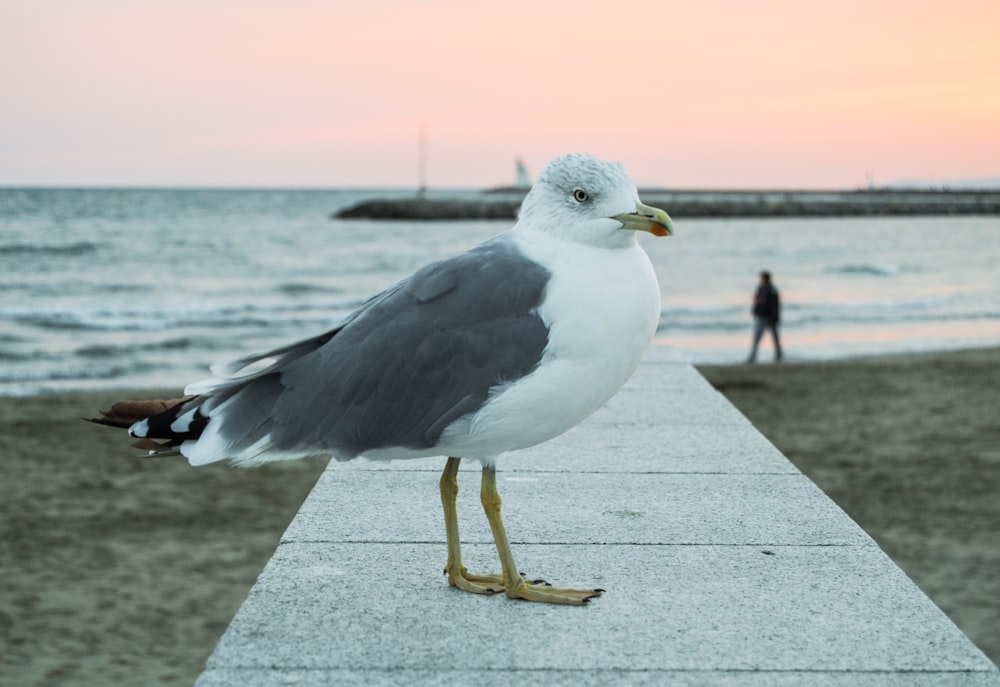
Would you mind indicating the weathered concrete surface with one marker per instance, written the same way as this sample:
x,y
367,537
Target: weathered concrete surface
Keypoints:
x,y
723,565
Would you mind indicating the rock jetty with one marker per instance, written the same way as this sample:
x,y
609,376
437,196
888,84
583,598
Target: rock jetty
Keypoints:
x,y
504,205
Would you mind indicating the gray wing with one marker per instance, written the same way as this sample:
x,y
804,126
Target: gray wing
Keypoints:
x,y
402,368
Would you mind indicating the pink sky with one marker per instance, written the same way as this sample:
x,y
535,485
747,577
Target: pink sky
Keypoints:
x,y
706,93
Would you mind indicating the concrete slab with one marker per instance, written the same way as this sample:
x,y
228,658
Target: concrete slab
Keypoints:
x,y
604,446
364,607
723,564
575,508
582,678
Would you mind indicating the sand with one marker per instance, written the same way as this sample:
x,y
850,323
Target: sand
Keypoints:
x,y
116,570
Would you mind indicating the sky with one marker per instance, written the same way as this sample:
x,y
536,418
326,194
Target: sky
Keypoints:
x,y
311,93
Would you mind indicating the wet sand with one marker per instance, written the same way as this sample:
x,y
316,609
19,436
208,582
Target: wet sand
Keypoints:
x,y
120,571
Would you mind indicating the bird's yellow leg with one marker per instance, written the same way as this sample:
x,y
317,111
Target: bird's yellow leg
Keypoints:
x,y
458,576
514,583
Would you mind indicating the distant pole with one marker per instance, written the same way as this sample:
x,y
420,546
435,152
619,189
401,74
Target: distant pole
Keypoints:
x,y
422,162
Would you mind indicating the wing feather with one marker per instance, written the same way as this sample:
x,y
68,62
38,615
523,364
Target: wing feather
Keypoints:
x,y
396,373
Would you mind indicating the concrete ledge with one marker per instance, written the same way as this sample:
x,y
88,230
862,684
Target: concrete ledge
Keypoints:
x,y
724,566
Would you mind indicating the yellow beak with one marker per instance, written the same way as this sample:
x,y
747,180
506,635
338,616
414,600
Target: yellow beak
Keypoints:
x,y
646,218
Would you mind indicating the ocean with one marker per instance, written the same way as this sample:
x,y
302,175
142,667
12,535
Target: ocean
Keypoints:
x,y
145,289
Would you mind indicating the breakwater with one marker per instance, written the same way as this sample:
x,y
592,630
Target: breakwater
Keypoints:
x,y
504,204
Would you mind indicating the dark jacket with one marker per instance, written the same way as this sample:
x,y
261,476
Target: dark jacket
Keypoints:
x,y
766,304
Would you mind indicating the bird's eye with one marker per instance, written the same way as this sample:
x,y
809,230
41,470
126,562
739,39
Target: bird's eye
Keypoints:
x,y
580,196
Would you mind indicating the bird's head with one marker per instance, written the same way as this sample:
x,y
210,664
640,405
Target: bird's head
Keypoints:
x,y
580,198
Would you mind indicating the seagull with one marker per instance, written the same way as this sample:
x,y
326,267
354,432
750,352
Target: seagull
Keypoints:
x,y
500,348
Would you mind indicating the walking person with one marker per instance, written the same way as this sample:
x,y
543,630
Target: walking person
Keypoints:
x,y
767,313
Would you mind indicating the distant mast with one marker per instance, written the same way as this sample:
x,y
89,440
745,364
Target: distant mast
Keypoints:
x,y
521,178
422,162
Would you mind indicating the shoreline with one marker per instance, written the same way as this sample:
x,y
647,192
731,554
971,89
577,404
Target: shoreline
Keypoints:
x,y
119,570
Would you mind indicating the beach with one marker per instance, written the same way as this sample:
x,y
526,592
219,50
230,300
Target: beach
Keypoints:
x,y
117,570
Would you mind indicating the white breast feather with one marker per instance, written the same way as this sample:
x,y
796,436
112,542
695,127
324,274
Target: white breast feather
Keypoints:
x,y
602,307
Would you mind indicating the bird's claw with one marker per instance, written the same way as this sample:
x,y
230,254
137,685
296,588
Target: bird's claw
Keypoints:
x,y
546,593
525,589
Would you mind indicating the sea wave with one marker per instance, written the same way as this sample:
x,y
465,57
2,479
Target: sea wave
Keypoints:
x,y
715,319
300,289
183,343
8,356
34,374
876,269
94,295
161,318
71,249
723,319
